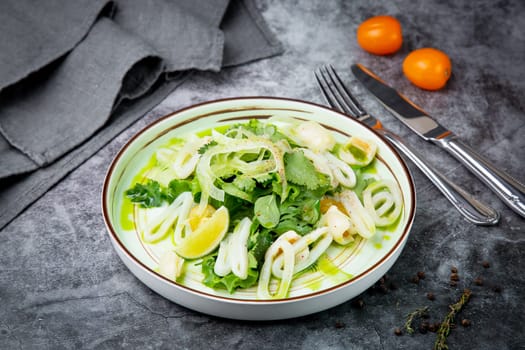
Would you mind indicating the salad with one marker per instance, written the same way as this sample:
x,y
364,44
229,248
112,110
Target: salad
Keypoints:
x,y
255,203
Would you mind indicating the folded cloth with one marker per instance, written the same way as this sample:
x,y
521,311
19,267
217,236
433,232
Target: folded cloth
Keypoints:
x,y
76,99
94,68
34,35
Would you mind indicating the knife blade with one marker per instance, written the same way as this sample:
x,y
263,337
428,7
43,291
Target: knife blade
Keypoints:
x,y
507,188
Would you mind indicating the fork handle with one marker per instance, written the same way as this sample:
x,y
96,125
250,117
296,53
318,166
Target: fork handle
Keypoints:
x,y
509,190
471,208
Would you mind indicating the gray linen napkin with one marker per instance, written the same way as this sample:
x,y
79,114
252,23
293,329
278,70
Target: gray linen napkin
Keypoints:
x,y
34,35
63,103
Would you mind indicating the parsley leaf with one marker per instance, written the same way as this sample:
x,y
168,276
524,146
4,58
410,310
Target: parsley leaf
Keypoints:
x,y
244,183
147,195
301,171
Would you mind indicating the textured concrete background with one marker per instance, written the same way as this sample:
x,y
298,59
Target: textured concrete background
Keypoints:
x,y
63,286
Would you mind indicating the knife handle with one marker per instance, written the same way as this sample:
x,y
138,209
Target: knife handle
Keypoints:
x,y
471,208
508,189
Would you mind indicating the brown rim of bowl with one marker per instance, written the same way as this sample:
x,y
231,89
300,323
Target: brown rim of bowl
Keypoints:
x,y
114,236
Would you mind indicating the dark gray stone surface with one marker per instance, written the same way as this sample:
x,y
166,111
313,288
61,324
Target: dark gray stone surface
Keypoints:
x,y
63,286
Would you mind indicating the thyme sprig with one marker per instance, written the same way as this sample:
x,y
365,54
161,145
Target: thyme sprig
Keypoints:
x,y
444,329
413,315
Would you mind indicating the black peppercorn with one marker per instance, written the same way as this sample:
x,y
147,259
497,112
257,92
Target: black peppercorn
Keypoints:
x,y
465,322
398,331
454,277
454,269
421,275
430,296
478,281
485,264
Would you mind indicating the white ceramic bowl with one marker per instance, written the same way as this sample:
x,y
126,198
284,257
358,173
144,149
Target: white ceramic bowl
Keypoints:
x,y
361,264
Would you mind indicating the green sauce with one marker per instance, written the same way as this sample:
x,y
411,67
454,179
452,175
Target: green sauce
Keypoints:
x,y
126,215
127,207
330,270
316,285
393,226
370,168
358,153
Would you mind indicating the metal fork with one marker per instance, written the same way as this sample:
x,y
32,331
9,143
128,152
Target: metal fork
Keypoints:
x,y
340,98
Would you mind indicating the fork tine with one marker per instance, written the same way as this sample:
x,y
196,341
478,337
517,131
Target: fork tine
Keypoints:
x,y
328,93
335,95
345,94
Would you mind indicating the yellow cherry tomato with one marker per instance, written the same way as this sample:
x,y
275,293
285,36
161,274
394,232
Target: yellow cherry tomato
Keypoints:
x,y
427,68
380,35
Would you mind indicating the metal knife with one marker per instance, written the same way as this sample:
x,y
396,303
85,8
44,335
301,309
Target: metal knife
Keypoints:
x,y
508,189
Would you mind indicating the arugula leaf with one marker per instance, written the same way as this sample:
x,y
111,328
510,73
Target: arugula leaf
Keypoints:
x,y
230,281
147,195
301,171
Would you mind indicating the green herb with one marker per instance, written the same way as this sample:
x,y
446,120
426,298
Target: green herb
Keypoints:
x,y
231,189
204,148
230,281
176,187
413,315
147,195
259,243
266,211
254,126
237,208
301,171
300,211
444,328
259,128
244,183
152,194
